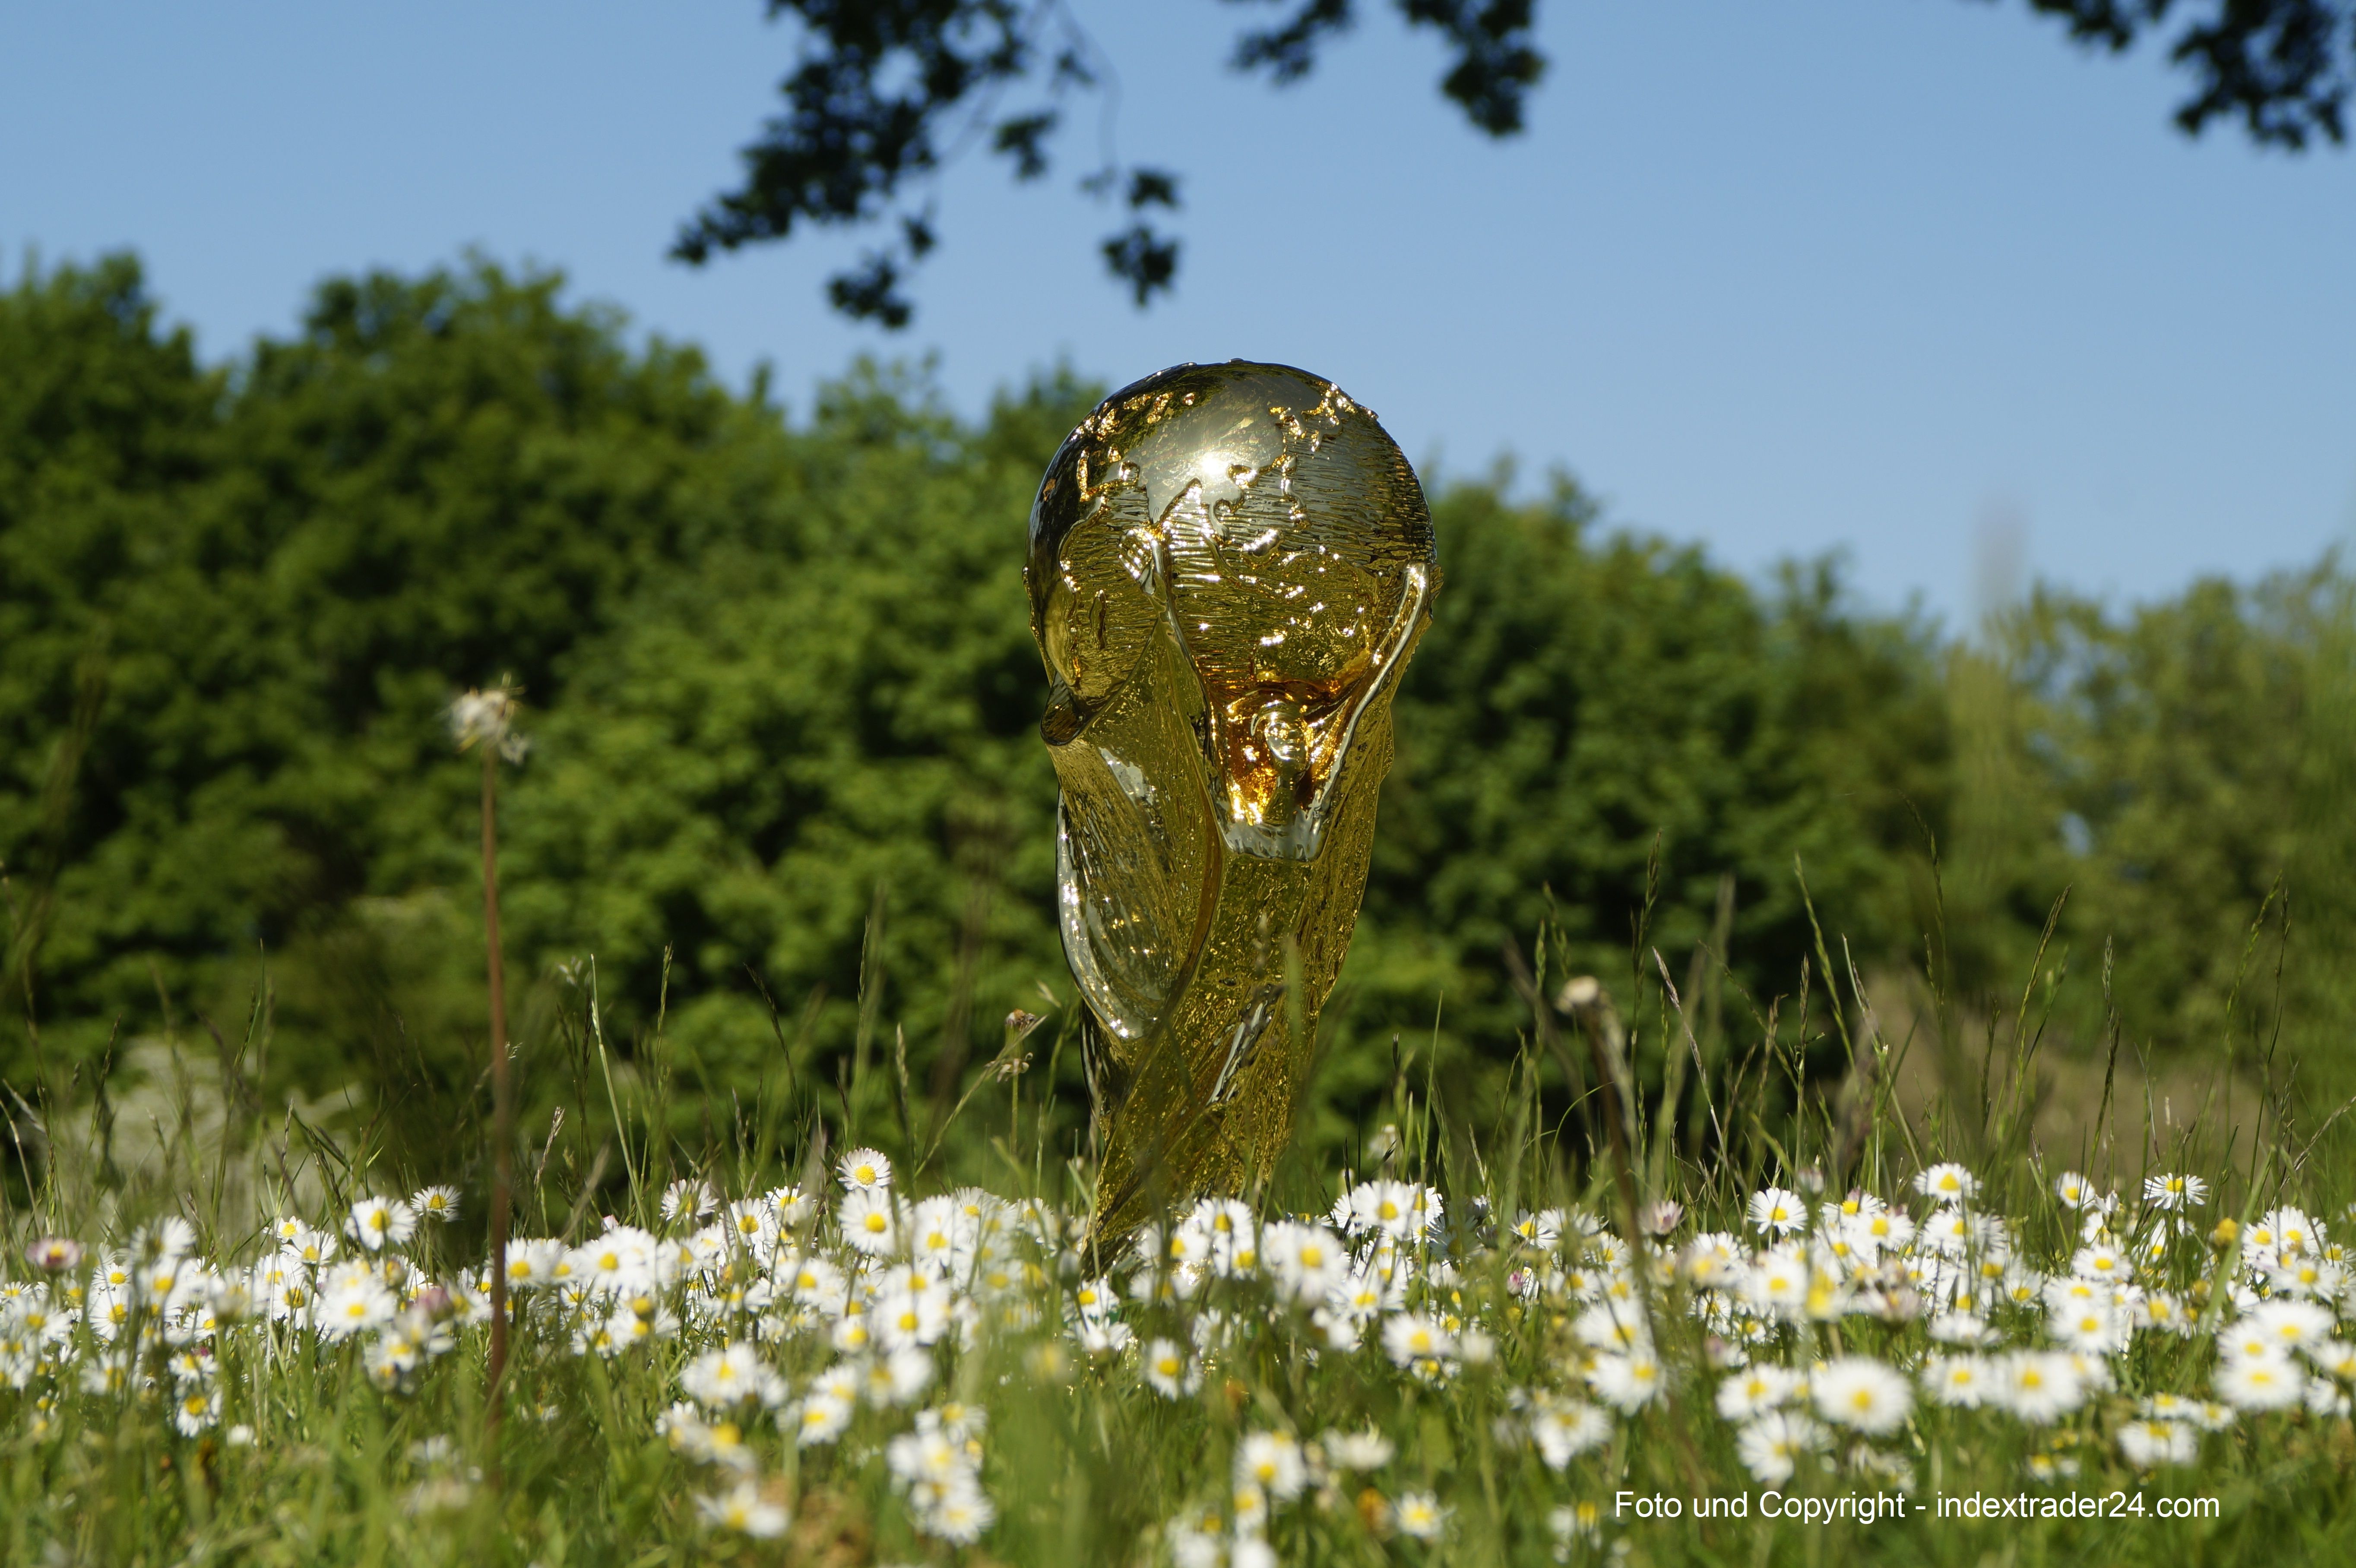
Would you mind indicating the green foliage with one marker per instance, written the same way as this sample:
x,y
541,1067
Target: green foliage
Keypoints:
x,y
104,426
1596,731
435,482
256,1436
783,699
883,93
819,720
2182,773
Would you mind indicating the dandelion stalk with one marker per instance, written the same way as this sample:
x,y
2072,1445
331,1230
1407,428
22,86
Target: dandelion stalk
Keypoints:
x,y
502,1087
487,717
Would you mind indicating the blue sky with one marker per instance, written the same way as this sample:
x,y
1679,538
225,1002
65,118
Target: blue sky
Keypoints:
x,y
1891,277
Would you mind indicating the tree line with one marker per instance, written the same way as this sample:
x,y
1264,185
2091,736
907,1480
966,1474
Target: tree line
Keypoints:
x,y
787,808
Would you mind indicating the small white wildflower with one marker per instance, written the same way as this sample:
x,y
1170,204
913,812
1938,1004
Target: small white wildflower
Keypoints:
x,y
2173,1192
2147,1445
1947,1183
864,1171
1964,1381
742,1509
1777,1281
353,1305
2260,1382
1270,1461
621,1261
1777,1210
1770,1446
2038,1386
1571,1524
377,1223
689,1198
1754,1390
1410,1337
1367,1450
435,1204
1611,1326
196,1408
2293,1231
868,1222
1541,1230
2100,1262
488,718
170,1237
900,1377
733,1375
818,1419
1169,1370
2335,1359
928,1456
1563,1429
960,1514
1418,1514
1626,1382
2291,1324
1863,1393
531,1262
2092,1329
1307,1261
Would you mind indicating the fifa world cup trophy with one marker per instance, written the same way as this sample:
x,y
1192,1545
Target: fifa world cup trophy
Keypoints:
x,y
1229,567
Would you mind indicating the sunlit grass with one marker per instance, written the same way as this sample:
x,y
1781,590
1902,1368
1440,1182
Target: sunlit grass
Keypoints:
x,y
1548,1352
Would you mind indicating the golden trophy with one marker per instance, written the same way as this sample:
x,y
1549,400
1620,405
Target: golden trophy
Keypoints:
x,y
1229,567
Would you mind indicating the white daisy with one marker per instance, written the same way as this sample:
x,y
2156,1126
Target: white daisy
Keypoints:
x,y
1418,1514
2038,1386
1770,1446
1861,1392
1410,1337
1367,1450
818,1419
1775,1211
377,1223
1947,1183
1168,1370
1753,1390
1960,1381
2147,1444
435,1202
864,1171
2173,1192
742,1509
868,1222
1563,1429
2270,1382
2073,1190
1627,1382
960,1514
1270,1461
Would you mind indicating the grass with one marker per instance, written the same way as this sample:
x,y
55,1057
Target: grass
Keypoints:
x,y
1501,1344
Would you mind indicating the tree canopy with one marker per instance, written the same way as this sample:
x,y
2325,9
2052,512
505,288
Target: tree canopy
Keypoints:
x,y
787,792
784,698
885,95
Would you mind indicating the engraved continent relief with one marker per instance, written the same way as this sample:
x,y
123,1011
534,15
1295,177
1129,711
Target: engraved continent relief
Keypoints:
x,y
1229,565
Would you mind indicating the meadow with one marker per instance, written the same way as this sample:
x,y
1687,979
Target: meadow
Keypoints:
x,y
1950,1167
1825,1339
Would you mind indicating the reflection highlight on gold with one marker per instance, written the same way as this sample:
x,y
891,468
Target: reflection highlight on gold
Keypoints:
x,y
1229,565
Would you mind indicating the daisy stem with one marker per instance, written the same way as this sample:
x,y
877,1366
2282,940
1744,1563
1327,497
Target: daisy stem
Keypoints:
x,y
502,1100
